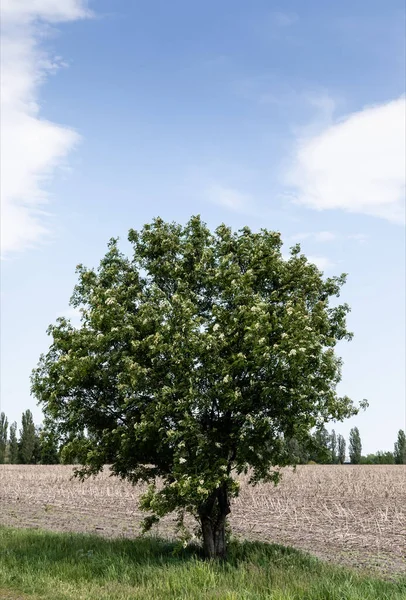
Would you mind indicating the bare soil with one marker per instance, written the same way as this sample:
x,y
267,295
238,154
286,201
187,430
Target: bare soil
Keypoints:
x,y
352,515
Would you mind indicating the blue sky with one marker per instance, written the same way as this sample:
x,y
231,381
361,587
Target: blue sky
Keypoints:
x,y
286,115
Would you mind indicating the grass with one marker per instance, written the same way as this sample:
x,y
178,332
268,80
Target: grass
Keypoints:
x,y
39,565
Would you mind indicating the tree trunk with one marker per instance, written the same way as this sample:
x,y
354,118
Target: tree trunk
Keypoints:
x,y
214,539
213,517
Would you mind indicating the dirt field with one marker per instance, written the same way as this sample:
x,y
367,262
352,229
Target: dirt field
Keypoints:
x,y
354,515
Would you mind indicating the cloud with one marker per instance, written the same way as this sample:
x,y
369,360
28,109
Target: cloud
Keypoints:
x,y
327,236
31,147
19,11
230,198
356,165
322,262
361,238
317,236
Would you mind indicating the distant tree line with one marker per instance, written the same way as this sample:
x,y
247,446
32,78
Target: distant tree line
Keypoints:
x,y
33,445
329,448
39,445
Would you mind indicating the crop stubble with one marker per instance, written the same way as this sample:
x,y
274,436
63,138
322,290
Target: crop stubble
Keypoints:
x,y
354,515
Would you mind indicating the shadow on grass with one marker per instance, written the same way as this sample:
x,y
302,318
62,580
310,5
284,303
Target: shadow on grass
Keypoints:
x,y
80,565
44,549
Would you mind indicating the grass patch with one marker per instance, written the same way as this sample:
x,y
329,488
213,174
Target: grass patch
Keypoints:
x,y
40,565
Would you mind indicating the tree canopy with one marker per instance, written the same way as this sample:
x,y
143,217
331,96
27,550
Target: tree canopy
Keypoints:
x,y
194,359
355,446
28,439
400,448
3,436
13,445
341,449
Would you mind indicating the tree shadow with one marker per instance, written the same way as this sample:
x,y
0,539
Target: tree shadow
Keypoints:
x,y
44,549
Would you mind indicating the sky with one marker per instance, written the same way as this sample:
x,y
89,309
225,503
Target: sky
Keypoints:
x,y
284,115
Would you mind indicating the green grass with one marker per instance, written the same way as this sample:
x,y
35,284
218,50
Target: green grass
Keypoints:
x,y
43,565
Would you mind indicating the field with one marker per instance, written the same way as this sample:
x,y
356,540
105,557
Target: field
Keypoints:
x,y
350,515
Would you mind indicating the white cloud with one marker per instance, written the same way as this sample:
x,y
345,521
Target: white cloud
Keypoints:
x,y
317,236
230,198
19,11
361,238
327,236
322,262
357,164
31,147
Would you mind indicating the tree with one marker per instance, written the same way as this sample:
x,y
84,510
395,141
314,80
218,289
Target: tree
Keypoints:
x,y
380,458
321,446
333,447
48,443
355,446
193,360
297,451
13,445
341,449
27,443
36,454
385,458
400,448
3,437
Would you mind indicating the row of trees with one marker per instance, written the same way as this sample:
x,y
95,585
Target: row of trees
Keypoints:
x,y
398,456
34,445
322,447
329,448
39,445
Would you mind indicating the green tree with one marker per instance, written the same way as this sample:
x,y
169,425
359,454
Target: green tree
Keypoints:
x,y
13,445
355,446
194,359
321,446
385,458
297,451
333,447
380,458
48,441
341,449
36,455
400,448
3,437
27,442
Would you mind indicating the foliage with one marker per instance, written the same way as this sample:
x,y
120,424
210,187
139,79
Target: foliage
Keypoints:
x,y
28,439
13,445
321,452
297,451
380,458
48,443
37,445
341,449
400,448
3,436
36,455
355,446
333,447
194,360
